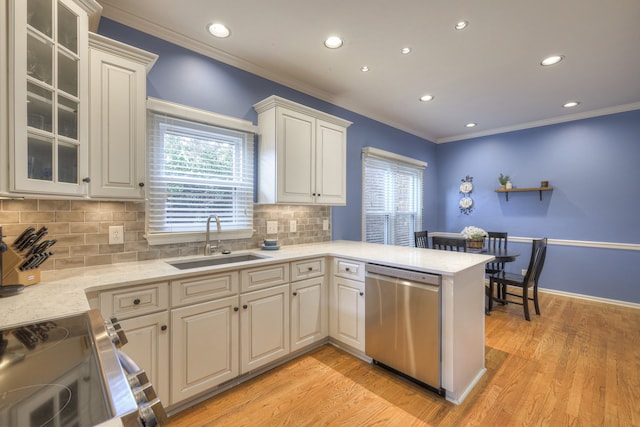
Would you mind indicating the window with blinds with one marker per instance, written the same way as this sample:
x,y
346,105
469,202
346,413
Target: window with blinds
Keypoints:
x,y
196,169
392,197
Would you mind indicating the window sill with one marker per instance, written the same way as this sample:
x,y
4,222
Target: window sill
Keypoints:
x,y
168,238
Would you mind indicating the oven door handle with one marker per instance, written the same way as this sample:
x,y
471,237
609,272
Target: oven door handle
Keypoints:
x,y
149,405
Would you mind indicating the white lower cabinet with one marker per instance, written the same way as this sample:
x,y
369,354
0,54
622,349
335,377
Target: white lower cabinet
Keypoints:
x,y
347,312
149,346
264,327
309,319
204,346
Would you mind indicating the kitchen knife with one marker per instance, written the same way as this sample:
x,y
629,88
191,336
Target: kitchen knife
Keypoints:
x,y
41,259
27,243
22,237
48,245
40,247
40,234
27,263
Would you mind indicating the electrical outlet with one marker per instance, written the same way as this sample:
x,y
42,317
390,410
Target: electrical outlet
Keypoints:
x,y
116,234
524,271
293,225
325,225
272,227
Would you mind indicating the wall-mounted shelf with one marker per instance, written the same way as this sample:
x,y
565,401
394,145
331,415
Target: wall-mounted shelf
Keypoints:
x,y
520,190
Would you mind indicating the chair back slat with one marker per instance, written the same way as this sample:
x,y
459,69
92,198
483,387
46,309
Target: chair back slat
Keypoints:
x,y
421,239
449,243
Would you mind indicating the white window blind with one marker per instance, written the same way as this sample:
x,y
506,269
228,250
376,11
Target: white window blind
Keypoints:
x,y
392,197
196,169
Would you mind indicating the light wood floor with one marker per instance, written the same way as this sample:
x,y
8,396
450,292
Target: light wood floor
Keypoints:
x,y
576,365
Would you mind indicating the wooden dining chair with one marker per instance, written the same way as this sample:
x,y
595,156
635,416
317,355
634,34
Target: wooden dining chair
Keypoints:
x,y
496,240
449,243
421,239
523,285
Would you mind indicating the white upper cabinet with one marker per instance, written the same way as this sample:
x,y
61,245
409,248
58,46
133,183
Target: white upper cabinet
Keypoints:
x,y
47,84
301,154
118,91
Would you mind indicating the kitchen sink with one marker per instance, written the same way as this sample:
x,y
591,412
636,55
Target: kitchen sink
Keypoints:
x,y
218,260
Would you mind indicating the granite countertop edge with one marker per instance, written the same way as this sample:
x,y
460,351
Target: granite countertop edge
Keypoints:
x,y
64,292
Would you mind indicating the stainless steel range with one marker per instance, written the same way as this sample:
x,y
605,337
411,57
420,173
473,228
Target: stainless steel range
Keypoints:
x,y
68,372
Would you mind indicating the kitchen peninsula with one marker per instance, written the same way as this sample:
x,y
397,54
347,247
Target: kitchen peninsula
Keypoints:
x,y
64,292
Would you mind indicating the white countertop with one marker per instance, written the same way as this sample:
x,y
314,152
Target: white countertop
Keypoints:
x,y
63,292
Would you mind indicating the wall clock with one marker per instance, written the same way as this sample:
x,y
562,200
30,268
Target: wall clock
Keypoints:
x,y
466,202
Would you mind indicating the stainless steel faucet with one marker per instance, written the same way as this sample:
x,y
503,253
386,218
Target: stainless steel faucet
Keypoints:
x,y
207,245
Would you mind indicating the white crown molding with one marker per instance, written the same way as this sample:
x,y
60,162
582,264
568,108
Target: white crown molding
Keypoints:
x,y
163,33
547,122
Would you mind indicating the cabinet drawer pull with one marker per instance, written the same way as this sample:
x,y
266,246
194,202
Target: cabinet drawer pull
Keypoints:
x,y
136,301
347,269
310,268
163,327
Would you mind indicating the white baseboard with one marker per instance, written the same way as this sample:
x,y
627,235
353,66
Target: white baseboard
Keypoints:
x,y
591,298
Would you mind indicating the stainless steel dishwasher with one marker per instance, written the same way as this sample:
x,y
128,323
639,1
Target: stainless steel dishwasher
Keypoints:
x,y
402,328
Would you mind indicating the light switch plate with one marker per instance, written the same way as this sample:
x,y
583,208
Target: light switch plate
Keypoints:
x,y
272,227
325,225
293,226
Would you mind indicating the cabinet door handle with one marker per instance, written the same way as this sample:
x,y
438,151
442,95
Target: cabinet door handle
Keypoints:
x,y
136,301
163,327
361,294
236,308
295,294
245,306
141,184
87,180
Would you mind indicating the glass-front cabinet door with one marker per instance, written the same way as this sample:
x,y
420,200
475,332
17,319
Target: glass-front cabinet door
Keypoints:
x,y
50,87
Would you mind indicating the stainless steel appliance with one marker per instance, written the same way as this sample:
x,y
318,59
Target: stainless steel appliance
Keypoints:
x,y
402,327
68,372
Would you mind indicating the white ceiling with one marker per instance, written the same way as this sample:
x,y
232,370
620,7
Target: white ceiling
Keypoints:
x,y
488,73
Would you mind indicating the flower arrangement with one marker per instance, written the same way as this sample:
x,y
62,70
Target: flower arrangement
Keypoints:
x,y
472,232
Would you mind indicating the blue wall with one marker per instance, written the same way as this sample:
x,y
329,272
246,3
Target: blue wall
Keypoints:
x,y
590,163
188,78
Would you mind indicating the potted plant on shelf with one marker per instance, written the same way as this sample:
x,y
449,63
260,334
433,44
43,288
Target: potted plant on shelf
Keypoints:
x,y
503,179
475,236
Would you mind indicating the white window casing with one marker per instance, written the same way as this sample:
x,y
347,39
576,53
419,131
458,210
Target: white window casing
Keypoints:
x,y
198,164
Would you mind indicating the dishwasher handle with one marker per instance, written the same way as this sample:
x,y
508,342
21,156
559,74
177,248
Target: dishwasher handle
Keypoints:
x,y
412,275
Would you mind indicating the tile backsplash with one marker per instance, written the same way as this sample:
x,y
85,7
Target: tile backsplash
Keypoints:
x,y
81,230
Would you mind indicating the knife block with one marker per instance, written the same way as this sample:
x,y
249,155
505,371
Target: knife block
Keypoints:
x,y
11,274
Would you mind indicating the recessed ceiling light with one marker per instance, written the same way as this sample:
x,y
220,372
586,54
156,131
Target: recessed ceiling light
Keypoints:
x,y
426,98
405,50
471,125
364,68
219,30
571,104
333,42
461,25
554,59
